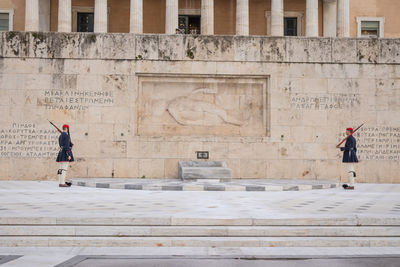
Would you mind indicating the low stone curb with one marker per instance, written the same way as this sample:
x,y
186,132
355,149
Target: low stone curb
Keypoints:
x,y
178,185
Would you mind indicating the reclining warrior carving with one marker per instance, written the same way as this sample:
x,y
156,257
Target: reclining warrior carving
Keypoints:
x,y
187,110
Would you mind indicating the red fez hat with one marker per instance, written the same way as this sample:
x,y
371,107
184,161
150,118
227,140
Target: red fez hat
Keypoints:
x,y
350,129
66,126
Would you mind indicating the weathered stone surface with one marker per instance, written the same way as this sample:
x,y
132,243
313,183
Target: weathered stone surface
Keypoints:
x,y
273,49
344,50
15,44
270,107
90,45
118,46
180,47
316,54
309,50
389,51
65,45
171,47
297,50
146,47
189,170
210,48
368,50
247,49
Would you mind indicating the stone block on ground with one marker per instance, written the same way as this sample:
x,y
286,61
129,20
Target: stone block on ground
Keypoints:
x,y
190,170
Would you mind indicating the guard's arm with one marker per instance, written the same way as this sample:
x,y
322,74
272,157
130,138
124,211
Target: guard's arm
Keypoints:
x,y
348,146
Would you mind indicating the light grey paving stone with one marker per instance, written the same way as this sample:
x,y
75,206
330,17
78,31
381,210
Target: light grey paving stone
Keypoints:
x,y
152,187
274,188
317,187
117,186
305,187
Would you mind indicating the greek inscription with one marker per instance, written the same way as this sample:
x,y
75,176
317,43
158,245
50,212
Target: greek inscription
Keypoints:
x,y
76,100
26,140
378,143
324,101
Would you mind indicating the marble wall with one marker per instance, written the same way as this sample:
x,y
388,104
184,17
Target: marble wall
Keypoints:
x,y
137,104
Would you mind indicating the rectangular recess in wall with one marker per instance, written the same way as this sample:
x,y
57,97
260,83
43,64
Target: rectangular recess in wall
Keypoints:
x,y
202,105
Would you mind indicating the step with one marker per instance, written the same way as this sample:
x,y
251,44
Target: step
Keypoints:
x,y
200,241
181,221
199,231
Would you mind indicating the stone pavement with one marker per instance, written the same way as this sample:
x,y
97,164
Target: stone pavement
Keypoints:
x,y
370,206
206,184
46,199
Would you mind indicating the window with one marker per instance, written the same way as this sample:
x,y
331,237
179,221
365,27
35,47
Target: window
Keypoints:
x,y
293,23
6,19
370,27
85,22
83,19
290,26
189,24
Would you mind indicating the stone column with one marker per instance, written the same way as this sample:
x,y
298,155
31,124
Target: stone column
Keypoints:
x,y
64,16
31,15
171,16
329,10
277,17
311,18
207,17
136,16
44,15
242,17
100,16
343,18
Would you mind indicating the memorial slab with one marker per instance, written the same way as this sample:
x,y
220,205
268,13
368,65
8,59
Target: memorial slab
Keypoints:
x,y
197,170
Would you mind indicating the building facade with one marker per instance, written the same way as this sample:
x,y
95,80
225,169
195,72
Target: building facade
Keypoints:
x,y
328,18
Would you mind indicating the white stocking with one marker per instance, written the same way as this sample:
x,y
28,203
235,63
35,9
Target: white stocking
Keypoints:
x,y
351,172
63,168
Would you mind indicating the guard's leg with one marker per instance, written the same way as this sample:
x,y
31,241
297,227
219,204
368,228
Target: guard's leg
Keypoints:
x,y
352,173
64,167
60,176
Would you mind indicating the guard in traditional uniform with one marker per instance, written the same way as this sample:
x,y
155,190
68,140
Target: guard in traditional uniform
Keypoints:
x,y
64,156
350,157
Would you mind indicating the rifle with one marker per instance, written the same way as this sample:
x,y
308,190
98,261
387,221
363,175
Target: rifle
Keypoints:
x,y
58,129
350,134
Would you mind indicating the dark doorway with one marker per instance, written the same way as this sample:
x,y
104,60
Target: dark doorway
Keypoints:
x,y
85,22
189,24
290,25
